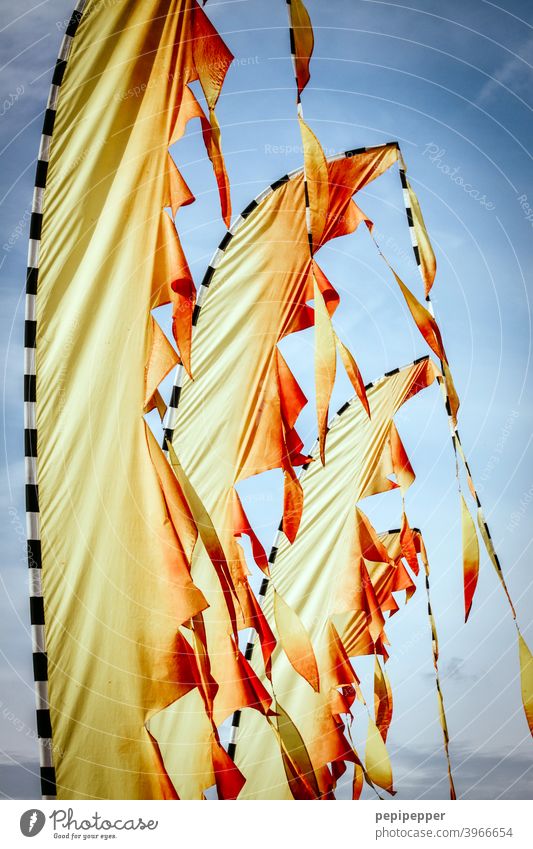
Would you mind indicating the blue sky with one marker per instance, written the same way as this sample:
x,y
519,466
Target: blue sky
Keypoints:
x,y
453,85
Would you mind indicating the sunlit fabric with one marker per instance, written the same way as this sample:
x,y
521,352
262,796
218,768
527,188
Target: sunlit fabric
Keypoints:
x,y
117,533
253,301
337,573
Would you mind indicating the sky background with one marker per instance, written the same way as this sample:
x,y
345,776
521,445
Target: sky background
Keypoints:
x,y
452,84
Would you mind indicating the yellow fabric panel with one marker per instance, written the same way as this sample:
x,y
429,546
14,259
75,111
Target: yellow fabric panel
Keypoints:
x,y
115,565
309,572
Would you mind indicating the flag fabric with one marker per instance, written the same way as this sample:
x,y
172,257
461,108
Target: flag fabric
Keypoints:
x,y
110,532
338,573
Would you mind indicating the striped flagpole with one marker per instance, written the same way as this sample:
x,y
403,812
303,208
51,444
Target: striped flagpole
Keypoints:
x,y
37,619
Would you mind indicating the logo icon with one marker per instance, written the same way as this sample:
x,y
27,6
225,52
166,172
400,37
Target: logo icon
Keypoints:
x,y
32,822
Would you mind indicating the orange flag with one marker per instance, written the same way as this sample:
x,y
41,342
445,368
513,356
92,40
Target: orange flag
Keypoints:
x,y
116,533
325,366
295,641
382,700
302,42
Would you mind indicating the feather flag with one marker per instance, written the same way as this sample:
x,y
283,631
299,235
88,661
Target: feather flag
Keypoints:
x,y
110,531
237,329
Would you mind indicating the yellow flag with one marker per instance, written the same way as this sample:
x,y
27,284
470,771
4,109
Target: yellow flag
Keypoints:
x,y
470,556
377,761
526,678
353,593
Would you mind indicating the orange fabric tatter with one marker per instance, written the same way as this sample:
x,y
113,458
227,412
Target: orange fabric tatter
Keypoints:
x,y
470,556
408,545
354,375
212,60
293,502
382,700
329,293
423,319
302,48
297,765
228,778
295,642
177,192
172,283
358,780
400,461
377,761
161,360
317,179
428,263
